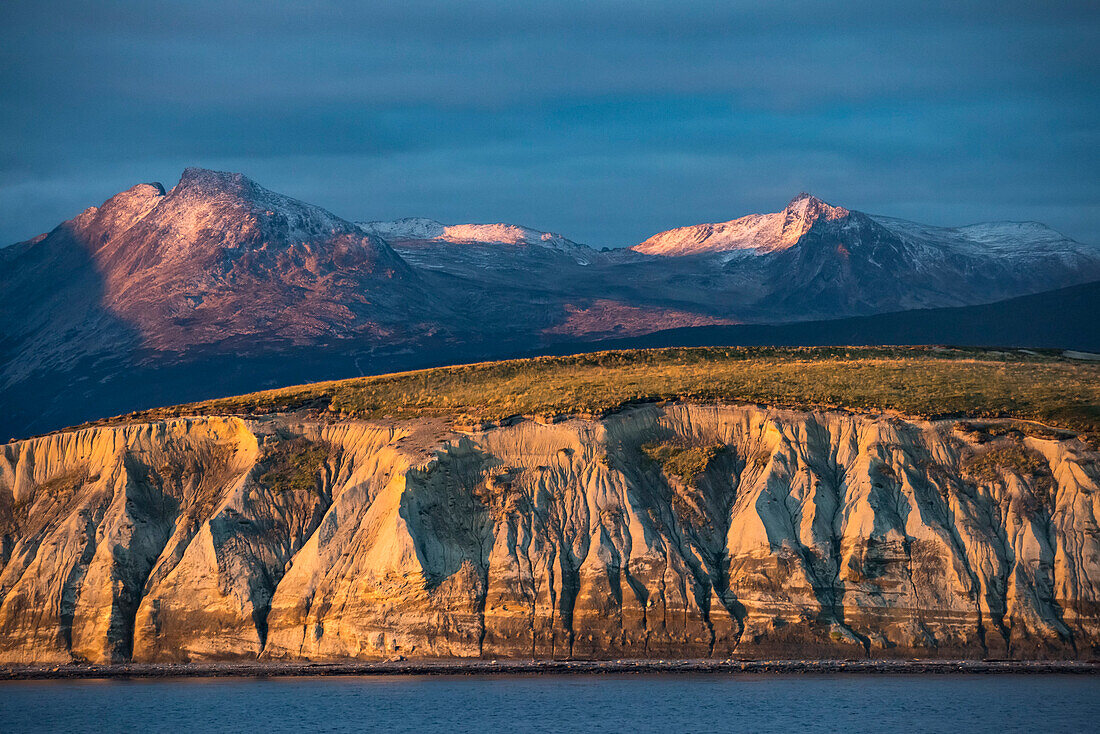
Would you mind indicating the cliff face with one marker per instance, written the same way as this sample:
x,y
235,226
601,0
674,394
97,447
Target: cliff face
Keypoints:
x,y
802,534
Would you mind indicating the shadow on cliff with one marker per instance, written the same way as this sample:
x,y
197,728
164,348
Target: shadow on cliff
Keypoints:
x,y
448,509
693,516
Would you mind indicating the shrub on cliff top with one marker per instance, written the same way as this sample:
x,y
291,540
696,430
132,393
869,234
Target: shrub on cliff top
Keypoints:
x,y
684,462
291,465
990,466
994,464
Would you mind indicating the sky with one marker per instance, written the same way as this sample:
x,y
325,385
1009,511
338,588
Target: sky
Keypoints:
x,y
604,121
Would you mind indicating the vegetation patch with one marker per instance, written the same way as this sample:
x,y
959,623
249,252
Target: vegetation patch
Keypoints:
x,y
291,465
199,472
887,471
684,462
994,464
915,381
985,432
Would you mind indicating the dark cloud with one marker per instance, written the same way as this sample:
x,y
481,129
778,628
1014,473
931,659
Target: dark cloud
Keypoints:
x,y
606,121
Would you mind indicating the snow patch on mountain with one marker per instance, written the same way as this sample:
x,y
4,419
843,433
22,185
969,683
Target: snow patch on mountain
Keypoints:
x,y
503,234
1000,239
755,233
408,228
247,216
500,233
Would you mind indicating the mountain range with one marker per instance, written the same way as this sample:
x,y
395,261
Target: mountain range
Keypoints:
x,y
219,285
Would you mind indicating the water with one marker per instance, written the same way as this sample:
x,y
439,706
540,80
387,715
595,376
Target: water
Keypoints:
x,y
551,703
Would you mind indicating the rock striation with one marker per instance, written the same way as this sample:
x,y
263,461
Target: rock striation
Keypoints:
x,y
661,531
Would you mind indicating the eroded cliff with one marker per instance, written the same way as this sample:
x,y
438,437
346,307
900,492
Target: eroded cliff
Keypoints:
x,y
660,531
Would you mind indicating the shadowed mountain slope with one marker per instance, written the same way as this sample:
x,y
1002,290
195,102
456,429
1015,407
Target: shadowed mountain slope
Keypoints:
x,y
1059,319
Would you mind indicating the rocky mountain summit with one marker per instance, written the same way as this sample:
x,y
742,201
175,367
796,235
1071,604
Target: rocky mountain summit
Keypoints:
x,y
218,265
661,531
219,285
215,260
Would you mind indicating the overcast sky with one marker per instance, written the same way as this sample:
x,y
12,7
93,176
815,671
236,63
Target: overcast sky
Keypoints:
x,y
603,121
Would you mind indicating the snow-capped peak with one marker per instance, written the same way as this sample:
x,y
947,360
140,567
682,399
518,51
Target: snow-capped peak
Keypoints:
x,y
205,199
807,208
757,233
500,233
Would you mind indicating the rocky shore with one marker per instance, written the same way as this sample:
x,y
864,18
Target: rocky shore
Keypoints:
x,y
555,667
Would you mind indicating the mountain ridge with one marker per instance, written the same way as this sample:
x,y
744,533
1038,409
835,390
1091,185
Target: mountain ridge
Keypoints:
x,y
155,282
754,232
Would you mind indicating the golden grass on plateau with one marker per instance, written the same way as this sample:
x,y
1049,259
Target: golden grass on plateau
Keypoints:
x,y
916,381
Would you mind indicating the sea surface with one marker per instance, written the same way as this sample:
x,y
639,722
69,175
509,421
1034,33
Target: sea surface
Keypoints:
x,y
600,704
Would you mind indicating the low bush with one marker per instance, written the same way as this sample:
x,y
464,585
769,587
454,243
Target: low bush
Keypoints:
x,y
683,462
291,465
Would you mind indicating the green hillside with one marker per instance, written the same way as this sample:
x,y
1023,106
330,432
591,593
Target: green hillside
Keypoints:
x,y
916,381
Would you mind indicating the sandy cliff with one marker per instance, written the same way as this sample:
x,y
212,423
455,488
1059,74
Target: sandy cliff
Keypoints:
x,y
804,534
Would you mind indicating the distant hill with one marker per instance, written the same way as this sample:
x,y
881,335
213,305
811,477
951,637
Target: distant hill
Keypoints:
x,y
1061,319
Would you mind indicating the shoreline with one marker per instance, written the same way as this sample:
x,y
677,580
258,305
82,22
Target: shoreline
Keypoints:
x,y
257,669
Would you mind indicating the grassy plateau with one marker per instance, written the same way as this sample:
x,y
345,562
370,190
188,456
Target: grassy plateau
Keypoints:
x,y
928,382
